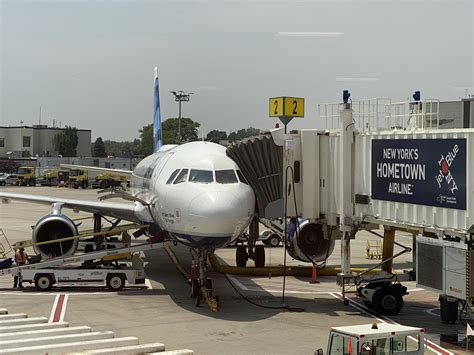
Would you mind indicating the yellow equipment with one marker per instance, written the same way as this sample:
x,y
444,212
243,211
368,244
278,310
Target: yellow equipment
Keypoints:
x,y
105,180
78,178
373,249
26,176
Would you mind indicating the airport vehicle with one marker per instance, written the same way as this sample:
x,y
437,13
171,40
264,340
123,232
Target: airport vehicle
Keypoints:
x,y
100,267
105,180
26,176
49,178
191,193
376,338
78,178
8,179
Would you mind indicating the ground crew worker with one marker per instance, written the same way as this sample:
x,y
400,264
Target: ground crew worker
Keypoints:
x,y
20,259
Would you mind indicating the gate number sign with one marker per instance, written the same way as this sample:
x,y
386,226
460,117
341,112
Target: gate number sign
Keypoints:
x,y
286,107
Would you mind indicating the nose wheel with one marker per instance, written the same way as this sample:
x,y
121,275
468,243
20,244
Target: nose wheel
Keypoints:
x,y
201,287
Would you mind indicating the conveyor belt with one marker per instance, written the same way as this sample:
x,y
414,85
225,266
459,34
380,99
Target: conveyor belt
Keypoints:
x,y
261,162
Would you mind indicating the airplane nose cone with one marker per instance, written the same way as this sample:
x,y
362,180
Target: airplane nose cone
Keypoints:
x,y
219,213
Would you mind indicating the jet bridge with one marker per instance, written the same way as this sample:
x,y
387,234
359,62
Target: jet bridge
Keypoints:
x,y
380,164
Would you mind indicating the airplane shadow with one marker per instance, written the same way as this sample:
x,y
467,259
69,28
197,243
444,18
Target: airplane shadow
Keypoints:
x,y
233,307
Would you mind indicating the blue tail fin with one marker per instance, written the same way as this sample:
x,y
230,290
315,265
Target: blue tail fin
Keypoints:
x,y
157,136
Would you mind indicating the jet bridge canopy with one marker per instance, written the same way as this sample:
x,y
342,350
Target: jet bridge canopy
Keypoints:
x,y
261,162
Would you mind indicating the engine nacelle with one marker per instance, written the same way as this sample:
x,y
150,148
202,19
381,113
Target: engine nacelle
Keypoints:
x,y
52,227
313,242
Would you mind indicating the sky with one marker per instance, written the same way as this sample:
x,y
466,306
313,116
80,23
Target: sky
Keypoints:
x,y
89,64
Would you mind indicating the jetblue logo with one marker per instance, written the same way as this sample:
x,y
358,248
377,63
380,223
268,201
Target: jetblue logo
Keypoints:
x,y
445,175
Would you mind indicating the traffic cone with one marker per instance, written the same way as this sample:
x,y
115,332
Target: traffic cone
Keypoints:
x,y
314,275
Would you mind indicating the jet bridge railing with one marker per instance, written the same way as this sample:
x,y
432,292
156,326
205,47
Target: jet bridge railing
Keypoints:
x,y
368,114
382,114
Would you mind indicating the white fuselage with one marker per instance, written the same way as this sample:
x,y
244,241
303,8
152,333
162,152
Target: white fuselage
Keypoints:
x,y
195,193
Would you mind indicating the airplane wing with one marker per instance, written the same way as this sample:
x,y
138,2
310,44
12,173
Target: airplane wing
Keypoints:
x,y
96,168
127,211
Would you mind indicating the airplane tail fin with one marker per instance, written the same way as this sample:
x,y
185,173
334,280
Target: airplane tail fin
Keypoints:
x,y
157,136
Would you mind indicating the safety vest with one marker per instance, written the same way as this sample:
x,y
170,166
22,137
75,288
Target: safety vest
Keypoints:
x,y
20,258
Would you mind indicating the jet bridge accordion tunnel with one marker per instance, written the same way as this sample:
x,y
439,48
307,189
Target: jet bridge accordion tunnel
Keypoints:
x,y
263,165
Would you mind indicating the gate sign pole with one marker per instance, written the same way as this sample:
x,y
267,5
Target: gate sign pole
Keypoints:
x,y
286,108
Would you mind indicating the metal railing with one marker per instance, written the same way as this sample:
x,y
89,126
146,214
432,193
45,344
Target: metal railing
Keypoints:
x,y
380,114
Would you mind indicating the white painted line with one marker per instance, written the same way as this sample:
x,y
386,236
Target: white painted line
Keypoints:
x,y
147,282
53,310
238,283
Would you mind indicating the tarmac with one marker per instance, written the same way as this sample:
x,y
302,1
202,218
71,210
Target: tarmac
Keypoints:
x,y
165,312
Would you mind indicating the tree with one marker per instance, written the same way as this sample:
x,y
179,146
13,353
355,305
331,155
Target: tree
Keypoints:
x,y
8,166
243,133
216,136
99,148
170,128
66,142
146,140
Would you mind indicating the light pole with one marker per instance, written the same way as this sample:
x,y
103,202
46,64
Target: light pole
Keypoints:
x,y
180,96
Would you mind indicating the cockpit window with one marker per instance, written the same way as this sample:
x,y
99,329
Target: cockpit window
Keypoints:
x,y
202,176
182,177
172,176
241,177
226,177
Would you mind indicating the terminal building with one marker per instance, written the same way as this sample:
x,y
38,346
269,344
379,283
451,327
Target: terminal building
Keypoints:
x,y
37,140
456,114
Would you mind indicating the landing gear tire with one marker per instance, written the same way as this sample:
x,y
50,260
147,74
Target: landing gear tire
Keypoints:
x,y
241,256
387,301
259,256
199,298
195,288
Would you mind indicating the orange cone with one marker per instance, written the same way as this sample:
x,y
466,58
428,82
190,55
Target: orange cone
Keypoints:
x,y
314,275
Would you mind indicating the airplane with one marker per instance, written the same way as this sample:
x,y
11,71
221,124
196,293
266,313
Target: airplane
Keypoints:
x,y
194,192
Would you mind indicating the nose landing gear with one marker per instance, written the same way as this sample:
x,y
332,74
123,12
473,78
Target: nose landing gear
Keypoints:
x,y
201,286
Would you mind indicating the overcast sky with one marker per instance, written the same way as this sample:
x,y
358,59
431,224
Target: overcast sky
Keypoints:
x,y
90,64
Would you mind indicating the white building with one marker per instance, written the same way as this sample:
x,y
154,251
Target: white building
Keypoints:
x,y
37,140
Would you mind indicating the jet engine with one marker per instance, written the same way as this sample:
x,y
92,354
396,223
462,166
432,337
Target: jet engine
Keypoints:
x,y
52,227
312,242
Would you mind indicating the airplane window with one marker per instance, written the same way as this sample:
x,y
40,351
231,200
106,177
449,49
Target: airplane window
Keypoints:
x,y
182,177
204,176
241,177
173,175
226,177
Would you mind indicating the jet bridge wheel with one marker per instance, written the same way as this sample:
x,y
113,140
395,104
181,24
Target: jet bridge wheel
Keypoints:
x,y
387,301
241,255
44,282
115,282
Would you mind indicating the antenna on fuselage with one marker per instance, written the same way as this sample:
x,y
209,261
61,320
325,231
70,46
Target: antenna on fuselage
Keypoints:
x,y
157,136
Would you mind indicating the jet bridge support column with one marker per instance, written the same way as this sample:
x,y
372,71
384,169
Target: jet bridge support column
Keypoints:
x,y
345,182
387,248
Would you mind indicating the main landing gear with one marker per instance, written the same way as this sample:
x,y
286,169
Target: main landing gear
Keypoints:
x,y
201,286
242,256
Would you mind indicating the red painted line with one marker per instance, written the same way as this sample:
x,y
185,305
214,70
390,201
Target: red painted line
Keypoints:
x,y
59,308
429,344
